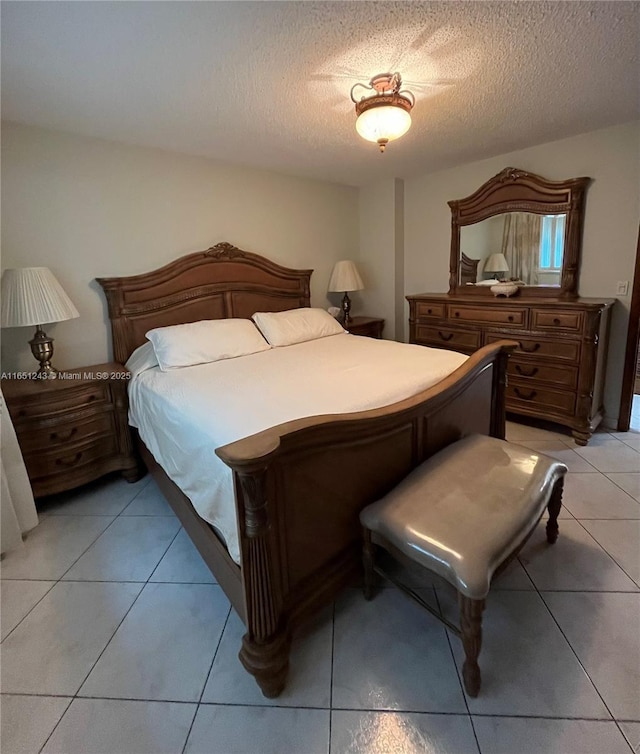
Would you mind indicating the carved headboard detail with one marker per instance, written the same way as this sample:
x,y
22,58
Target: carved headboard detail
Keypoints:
x,y
221,282
468,269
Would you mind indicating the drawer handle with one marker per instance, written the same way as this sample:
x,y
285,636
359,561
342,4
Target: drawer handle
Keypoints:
x,y
91,398
456,314
70,462
520,394
510,318
68,436
525,373
533,349
429,311
448,336
556,321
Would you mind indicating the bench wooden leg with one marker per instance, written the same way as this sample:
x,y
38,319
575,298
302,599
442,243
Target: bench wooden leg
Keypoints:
x,y
367,563
555,503
471,630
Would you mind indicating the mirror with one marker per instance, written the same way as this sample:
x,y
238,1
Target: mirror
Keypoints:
x,y
520,226
529,246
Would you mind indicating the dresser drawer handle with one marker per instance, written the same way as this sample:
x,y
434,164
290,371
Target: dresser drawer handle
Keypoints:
x,y
68,436
91,398
448,336
510,318
429,311
520,394
456,314
533,348
70,462
557,321
526,373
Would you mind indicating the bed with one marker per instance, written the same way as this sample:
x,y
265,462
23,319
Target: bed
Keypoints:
x,y
298,486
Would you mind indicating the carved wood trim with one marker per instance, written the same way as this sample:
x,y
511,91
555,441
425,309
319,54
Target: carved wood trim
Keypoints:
x,y
262,592
515,190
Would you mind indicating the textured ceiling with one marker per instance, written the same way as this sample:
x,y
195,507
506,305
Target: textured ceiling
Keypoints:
x,y
267,84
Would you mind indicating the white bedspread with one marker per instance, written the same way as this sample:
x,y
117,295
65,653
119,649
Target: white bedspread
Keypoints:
x,y
183,415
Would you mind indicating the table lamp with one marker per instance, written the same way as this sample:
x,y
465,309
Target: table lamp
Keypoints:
x,y
496,263
345,277
33,296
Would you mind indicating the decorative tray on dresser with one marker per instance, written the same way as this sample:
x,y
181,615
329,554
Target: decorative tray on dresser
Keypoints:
x,y
72,429
556,373
531,227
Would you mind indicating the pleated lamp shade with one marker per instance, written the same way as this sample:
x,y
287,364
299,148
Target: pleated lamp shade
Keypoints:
x,y
345,277
33,296
496,263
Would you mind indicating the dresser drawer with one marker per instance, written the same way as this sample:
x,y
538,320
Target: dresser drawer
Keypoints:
x,y
561,375
509,316
67,458
71,399
522,395
556,350
448,337
424,309
548,319
51,435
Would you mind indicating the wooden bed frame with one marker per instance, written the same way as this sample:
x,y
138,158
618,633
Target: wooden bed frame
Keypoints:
x,y
300,486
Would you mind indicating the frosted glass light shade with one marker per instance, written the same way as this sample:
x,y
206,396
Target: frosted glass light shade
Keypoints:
x,y
387,122
496,263
345,277
33,296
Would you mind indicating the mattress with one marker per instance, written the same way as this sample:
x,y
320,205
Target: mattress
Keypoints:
x,y
183,415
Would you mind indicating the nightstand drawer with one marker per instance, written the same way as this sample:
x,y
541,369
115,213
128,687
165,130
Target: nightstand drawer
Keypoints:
x,y
424,309
448,337
68,459
508,316
59,402
548,319
50,435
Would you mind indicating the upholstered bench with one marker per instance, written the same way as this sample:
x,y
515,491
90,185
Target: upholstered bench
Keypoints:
x,y
463,514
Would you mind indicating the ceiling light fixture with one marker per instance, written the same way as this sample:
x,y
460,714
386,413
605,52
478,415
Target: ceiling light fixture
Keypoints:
x,y
384,115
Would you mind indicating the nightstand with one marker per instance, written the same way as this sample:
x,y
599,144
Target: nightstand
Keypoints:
x,y
371,327
72,429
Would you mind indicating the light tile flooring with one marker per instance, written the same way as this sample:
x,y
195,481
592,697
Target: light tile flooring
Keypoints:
x,y
116,639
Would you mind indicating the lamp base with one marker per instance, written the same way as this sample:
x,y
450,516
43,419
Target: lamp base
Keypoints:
x,y
346,308
42,350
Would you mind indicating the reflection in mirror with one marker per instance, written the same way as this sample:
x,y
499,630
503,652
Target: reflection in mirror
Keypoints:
x,y
532,245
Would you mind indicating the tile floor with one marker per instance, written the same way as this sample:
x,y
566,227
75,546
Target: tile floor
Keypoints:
x,y
117,640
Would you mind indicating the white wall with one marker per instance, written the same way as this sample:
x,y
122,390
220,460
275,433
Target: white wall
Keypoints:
x,y
611,157
380,254
88,208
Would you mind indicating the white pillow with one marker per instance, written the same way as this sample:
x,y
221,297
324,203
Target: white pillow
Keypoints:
x,y
296,325
143,358
205,341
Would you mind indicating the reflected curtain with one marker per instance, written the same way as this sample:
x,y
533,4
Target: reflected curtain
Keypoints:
x,y
17,509
521,245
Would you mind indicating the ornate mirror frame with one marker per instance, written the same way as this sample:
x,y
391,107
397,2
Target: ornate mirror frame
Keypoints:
x,y
514,190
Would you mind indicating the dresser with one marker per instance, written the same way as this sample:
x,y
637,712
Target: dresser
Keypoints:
x,y
556,373
72,429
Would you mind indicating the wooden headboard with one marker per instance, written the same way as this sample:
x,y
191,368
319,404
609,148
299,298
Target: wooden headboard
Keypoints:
x,y
221,282
468,269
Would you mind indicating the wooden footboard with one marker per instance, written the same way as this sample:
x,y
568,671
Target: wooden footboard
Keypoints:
x,y
301,485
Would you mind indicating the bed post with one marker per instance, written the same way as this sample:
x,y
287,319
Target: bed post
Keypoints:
x,y
498,413
265,646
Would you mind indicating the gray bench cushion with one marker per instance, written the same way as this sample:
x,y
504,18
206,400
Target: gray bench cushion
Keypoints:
x,y
465,510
